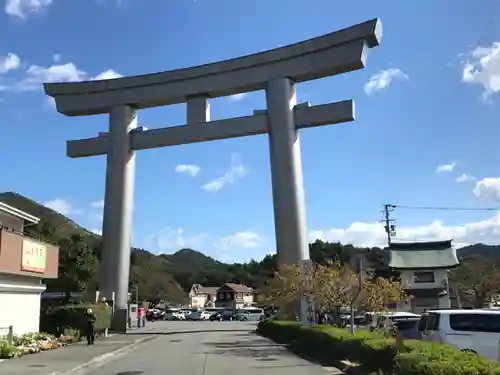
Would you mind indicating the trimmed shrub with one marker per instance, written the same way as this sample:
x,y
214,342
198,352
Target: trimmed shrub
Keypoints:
x,y
7,350
72,317
376,353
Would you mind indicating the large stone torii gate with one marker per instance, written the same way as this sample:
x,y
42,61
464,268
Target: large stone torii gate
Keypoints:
x,y
275,71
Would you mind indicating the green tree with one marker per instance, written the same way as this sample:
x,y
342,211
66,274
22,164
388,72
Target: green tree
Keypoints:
x,y
477,280
77,264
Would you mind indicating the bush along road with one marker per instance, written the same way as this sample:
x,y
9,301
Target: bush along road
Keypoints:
x,y
61,326
372,353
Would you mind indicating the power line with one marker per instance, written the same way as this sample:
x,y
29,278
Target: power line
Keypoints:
x,y
442,208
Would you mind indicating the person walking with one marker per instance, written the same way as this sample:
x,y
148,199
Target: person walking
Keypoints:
x,y
141,316
89,326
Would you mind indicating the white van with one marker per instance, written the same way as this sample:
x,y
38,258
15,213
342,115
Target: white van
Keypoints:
x,y
386,320
252,313
476,331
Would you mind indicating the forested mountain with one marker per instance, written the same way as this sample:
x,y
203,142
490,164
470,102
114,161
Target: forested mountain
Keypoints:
x,y
170,276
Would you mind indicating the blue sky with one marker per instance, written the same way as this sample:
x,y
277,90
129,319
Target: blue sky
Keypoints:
x,y
425,133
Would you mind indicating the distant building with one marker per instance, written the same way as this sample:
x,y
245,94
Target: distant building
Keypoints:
x,y
258,296
24,263
234,296
202,296
423,267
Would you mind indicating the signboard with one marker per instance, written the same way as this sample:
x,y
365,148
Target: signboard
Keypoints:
x,y
34,257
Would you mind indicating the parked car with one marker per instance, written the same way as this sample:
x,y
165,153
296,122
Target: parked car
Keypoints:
x,y
252,314
224,315
155,314
178,315
200,315
473,331
193,314
174,314
384,321
187,312
409,329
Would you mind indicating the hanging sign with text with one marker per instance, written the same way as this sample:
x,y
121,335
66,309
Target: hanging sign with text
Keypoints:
x,y
34,257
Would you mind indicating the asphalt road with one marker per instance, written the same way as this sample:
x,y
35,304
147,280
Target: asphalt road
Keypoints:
x,y
208,348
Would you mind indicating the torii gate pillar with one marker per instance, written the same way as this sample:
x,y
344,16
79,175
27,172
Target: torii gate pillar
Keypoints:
x,y
117,215
286,173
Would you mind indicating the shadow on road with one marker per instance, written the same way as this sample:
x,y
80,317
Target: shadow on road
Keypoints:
x,y
256,347
246,334
266,353
184,332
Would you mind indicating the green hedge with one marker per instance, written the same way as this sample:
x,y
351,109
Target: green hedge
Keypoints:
x,y
61,318
375,353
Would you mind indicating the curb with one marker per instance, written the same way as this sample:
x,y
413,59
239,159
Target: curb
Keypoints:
x,y
105,358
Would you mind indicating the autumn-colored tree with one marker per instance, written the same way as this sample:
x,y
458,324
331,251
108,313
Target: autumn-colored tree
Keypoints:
x,y
334,287
286,289
379,292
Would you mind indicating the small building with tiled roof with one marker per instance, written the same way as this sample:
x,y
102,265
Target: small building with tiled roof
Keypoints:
x,y
423,268
202,296
234,296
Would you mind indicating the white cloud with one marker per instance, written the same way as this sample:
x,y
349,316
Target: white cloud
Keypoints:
x,y
246,239
60,205
173,239
441,168
488,189
372,234
107,74
237,247
98,204
237,97
97,231
464,177
9,62
240,247
235,172
118,3
36,75
483,68
383,80
20,8
190,169
56,57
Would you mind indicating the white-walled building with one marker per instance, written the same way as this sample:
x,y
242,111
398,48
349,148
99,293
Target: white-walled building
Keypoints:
x,y
24,263
423,267
202,296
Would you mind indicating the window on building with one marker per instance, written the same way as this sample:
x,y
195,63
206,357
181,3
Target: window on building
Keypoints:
x,y
423,277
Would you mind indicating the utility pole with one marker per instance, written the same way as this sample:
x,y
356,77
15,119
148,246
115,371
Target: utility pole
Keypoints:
x,y
390,228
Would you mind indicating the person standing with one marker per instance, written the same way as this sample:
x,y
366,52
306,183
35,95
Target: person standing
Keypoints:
x,y
90,320
141,316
